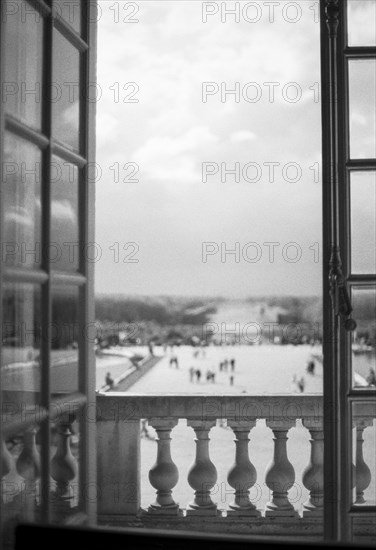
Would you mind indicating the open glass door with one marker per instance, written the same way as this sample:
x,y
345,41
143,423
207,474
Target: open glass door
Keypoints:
x,y
47,385
350,170
358,235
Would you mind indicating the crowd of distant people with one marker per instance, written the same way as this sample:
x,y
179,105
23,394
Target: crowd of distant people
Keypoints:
x,y
228,366
195,374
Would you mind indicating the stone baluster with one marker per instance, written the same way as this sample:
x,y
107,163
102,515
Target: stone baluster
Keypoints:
x,y
202,475
313,475
280,474
362,472
164,475
64,466
242,476
6,460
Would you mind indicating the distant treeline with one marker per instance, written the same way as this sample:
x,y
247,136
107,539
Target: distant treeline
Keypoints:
x,y
163,311
165,318
310,310
298,309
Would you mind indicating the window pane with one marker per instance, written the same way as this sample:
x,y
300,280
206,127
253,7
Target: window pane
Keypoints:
x,y
361,22
23,62
64,340
22,203
362,90
364,337
364,442
70,11
363,222
65,90
64,253
65,434
21,341
21,494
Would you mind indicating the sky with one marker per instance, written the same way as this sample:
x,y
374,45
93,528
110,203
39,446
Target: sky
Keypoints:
x,y
164,119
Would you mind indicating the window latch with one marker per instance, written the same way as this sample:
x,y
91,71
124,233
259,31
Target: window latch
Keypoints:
x,y
345,307
339,292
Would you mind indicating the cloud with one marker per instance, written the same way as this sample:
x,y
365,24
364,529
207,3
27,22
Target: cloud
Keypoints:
x,y
170,132
359,118
174,159
106,126
242,136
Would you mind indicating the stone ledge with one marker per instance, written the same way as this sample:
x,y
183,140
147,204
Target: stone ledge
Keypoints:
x,y
115,406
309,528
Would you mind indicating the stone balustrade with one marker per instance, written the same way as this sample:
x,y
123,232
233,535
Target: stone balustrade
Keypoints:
x,y
119,463
119,472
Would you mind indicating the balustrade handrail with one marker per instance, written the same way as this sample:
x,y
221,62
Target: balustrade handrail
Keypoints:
x,y
118,406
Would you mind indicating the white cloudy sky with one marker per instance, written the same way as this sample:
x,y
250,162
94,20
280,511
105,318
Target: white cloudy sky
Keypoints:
x,y
170,132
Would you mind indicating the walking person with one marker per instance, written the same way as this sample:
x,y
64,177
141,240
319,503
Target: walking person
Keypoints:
x,y
232,364
231,380
301,384
191,374
294,384
311,367
198,375
371,377
109,380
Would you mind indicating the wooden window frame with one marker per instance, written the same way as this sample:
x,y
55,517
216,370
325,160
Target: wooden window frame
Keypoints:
x,y
339,395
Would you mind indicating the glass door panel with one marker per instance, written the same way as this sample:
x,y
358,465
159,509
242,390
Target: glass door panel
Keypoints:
x,y
21,190
361,22
22,90
364,456
64,246
66,492
21,480
66,92
364,338
64,340
70,12
21,344
362,108
363,222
